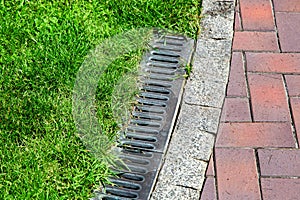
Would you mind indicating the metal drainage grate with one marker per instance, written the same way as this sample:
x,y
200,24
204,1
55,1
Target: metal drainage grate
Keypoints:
x,y
144,143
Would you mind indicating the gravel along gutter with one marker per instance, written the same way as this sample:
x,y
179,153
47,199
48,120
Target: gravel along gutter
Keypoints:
x,y
182,172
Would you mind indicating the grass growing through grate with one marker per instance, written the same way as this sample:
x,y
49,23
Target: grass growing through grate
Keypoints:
x,y
42,45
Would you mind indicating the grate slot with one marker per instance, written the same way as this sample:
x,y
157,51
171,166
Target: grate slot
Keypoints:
x,y
157,83
161,71
149,110
167,59
141,137
140,115
167,47
141,133
164,59
142,130
165,53
109,197
120,192
162,78
135,160
135,169
171,42
131,176
151,103
149,95
129,159
156,90
125,184
144,123
136,144
163,65
174,37
137,152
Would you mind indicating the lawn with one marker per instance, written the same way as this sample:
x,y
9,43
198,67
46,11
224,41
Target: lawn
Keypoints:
x,y
43,43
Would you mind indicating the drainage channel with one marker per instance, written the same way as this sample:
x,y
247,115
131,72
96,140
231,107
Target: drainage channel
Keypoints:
x,y
145,139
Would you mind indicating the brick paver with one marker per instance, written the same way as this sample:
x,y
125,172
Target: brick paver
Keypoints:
x,y
235,181
210,168
287,6
257,151
295,104
289,30
257,15
237,81
273,62
279,162
236,110
237,23
255,135
293,84
209,189
255,41
268,97
279,189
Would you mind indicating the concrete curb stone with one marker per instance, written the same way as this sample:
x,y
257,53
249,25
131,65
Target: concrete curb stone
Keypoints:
x,y
182,173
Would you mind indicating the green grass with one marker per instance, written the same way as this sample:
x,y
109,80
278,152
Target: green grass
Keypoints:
x,y
42,45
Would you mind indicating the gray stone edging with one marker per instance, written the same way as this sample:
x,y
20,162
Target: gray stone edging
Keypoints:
x,y
182,173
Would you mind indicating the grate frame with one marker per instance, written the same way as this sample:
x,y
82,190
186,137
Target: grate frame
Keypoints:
x,y
145,140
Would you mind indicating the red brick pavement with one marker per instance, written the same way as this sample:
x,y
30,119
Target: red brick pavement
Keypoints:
x,y
257,155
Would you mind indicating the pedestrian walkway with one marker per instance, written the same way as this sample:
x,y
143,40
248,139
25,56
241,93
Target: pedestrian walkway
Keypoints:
x,y
256,154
